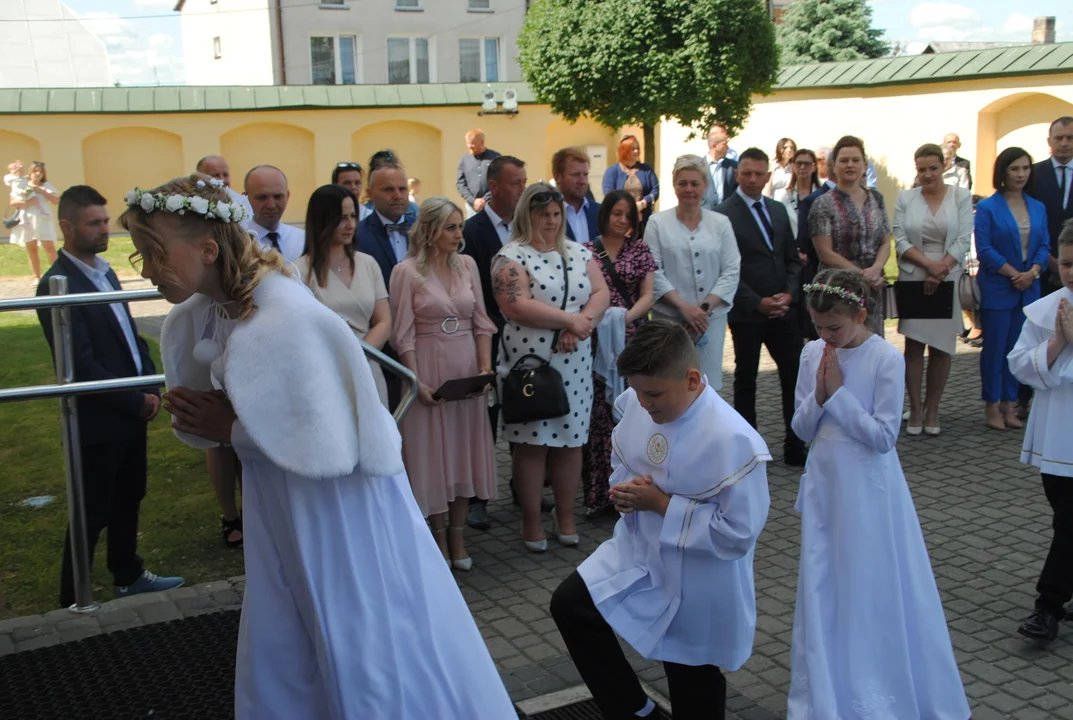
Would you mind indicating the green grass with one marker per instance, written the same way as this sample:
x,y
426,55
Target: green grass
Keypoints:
x,y
13,262
179,529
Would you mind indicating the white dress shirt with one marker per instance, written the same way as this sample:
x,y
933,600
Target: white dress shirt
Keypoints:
x,y
399,242
756,216
98,275
364,212
1059,169
717,170
579,222
292,241
502,226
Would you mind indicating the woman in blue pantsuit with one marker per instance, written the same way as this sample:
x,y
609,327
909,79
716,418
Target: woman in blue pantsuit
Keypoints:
x,y
1012,247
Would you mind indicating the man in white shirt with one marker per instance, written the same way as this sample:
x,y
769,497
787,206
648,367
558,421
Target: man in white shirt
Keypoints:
x,y
217,167
266,188
570,169
351,175
1052,185
112,426
721,167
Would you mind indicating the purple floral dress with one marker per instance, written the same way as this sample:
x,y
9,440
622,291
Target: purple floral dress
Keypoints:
x,y
632,264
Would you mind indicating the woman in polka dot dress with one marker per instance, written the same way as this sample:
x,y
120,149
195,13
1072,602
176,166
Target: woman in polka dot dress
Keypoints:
x,y
529,277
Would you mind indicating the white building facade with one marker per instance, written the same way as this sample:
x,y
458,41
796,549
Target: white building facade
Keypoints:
x,y
350,42
43,44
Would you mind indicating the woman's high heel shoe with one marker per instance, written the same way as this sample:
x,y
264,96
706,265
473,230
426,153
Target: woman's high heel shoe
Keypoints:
x,y
464,564
567,540
536,546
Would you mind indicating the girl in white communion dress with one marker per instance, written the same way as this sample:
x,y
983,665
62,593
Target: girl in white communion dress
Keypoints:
x,y
350,611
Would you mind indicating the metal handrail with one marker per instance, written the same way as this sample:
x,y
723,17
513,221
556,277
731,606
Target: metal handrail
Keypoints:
x,y
66,390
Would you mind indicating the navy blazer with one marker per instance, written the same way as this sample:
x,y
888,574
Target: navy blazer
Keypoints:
x,y
1044,187
730,182
592,214
372,240
804,234
100,352
482,244
998,241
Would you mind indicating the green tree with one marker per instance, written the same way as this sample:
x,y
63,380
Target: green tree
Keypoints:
x,y
631,62
826,30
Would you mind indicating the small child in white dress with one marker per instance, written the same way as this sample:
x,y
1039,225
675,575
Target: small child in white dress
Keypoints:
x,y
1043,359
869,635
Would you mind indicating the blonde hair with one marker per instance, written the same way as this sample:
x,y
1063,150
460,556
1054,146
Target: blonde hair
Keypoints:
x,y
474,134
431,220
521,231
689,162
559,159
241,261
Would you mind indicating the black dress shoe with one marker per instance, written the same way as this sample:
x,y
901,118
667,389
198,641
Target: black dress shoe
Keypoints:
x,y
795,456
1041,625
477,518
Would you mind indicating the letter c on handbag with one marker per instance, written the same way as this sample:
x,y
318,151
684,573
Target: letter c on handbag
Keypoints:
x,y
527,391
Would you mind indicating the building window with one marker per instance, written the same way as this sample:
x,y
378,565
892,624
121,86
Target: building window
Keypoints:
x,y
333,2
480,5
407,60
334,59
217,53
478,60
407,4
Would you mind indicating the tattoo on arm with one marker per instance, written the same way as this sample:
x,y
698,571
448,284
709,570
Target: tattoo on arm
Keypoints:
x,y
507,282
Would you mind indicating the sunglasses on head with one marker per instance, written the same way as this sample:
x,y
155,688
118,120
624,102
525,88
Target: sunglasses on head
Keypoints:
x,y
543,198
349,166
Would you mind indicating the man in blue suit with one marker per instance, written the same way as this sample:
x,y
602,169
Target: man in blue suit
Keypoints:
x,y
112,426
384,233
721,168
570,169
1052,185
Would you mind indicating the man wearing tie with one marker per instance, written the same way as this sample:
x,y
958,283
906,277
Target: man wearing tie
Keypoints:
x,y
112,426
721,168
1052,185
266,188
764,313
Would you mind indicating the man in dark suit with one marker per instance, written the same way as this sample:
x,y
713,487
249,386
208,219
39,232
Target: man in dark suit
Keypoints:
x,y
1052,185
112,426
484,234
721,168
954,141
384,233
570,169
764,313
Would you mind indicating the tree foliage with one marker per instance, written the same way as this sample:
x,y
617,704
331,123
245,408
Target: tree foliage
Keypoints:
x,y
631,62
826,30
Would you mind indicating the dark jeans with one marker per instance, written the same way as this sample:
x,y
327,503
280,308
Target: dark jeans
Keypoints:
x,y
1055,586
697,692
782,338
113,476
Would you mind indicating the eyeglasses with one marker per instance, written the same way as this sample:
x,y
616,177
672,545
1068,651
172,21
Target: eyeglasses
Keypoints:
x,y
349,166
543,198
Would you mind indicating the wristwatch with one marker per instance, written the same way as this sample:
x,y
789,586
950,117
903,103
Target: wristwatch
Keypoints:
x,y
1035,273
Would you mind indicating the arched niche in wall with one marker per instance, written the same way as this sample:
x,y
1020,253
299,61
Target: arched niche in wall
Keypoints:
x,y
118,159
419,146
16,146
1017,120
288,147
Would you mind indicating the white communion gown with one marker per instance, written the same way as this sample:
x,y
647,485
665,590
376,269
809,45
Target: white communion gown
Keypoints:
x,y
870,640
350,611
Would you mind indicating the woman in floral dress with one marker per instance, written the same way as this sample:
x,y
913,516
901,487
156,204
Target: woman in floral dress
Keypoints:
x,y
618,247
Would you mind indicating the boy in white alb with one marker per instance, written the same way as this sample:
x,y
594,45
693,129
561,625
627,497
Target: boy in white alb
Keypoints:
x,y
1043,359
676,579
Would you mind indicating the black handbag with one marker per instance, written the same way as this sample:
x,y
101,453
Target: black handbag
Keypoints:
x,y
533,390
12,220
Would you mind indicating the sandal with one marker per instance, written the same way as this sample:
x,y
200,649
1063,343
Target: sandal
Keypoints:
x,y
231,526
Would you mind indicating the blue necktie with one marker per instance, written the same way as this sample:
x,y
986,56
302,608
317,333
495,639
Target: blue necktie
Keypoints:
x,y
770,237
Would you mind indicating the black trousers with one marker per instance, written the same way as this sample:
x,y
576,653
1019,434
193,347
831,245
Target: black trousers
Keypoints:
x,y
782,338
1055,586
114,479
697,692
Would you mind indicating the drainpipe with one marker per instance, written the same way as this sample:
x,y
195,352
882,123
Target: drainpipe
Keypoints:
x,y
279,33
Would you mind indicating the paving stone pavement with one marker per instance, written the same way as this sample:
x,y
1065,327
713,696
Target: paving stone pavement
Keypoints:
x,y
985,521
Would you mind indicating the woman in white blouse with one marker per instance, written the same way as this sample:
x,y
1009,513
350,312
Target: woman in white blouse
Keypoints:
x,y
785,150
349,283
933,225
697,263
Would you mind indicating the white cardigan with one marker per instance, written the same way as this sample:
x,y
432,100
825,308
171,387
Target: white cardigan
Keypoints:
x,y
909,213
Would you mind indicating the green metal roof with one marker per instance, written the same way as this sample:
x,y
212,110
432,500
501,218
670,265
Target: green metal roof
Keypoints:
x,y
933,68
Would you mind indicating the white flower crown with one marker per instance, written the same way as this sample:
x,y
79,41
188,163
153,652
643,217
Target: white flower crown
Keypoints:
x,y
843,293
181,204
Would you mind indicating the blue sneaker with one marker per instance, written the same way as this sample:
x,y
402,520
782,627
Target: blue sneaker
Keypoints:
x,y
148,582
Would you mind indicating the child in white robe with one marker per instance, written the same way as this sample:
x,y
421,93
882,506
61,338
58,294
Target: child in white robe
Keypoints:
x,y
869,636
349,611
1043,359
675,581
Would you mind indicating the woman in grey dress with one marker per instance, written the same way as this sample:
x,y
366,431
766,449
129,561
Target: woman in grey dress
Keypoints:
x,y
932,232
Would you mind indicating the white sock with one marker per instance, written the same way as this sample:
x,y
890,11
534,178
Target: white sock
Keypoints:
x,y
647,709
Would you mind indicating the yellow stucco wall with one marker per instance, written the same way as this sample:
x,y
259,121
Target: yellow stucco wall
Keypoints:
x,y
115,152
988,114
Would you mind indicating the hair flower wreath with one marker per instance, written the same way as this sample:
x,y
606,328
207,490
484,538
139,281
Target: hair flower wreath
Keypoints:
x,y
843,293
182,204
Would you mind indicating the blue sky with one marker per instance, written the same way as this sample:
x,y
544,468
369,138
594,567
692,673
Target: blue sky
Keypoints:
x,y
147,51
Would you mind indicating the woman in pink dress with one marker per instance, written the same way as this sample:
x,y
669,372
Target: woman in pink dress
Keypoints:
x,y
441,332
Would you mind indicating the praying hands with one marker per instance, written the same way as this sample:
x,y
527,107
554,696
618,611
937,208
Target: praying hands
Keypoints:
x,y
639,494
